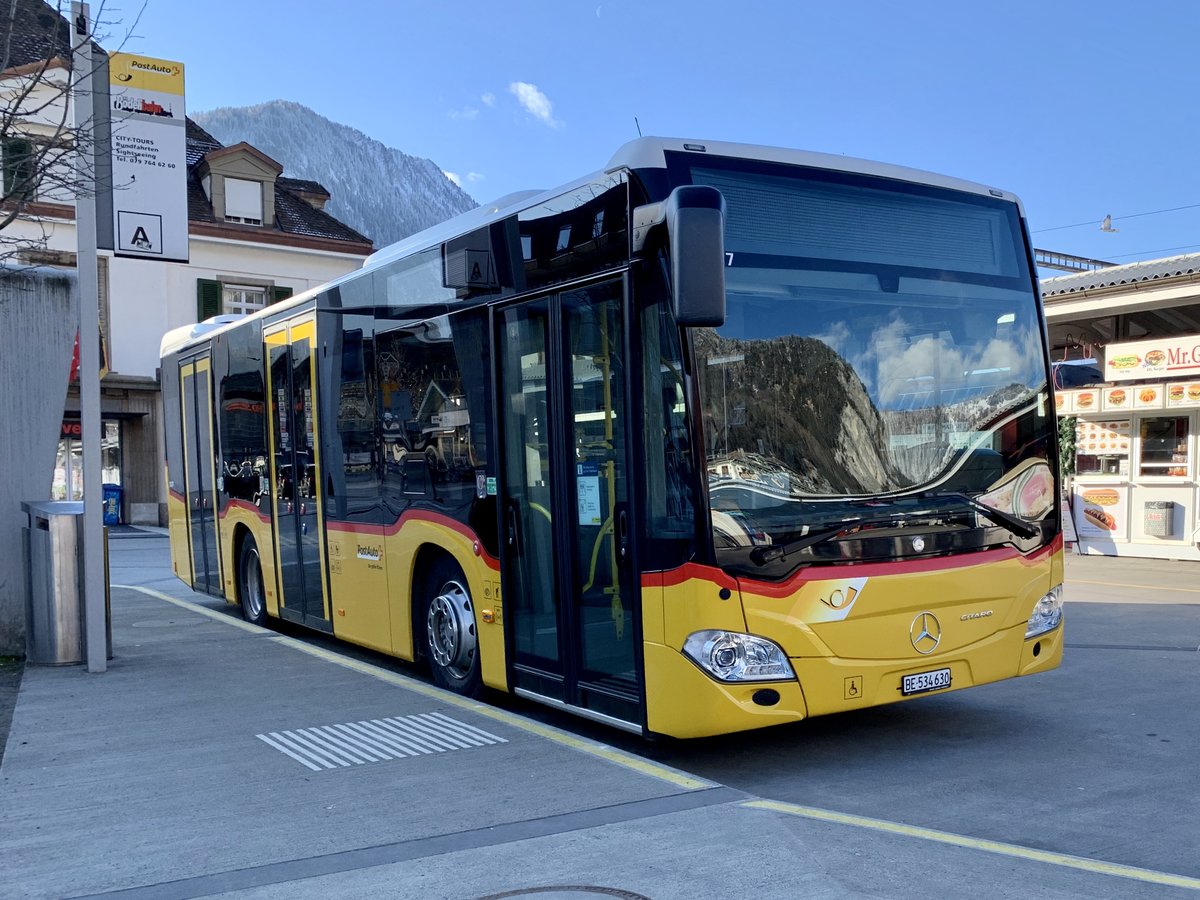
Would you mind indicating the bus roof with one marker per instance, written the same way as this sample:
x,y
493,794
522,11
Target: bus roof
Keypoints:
x,y
641,153
650,153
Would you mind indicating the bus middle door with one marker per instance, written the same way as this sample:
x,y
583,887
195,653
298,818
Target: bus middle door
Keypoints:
x,y
296,472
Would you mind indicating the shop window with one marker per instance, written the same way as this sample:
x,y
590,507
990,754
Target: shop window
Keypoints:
x,y
68,465
1164,447
1102,448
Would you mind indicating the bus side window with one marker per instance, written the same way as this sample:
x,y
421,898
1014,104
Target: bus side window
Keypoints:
x,y
670,475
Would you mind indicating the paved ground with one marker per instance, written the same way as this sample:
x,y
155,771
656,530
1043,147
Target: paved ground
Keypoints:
x,y
11,669
215,758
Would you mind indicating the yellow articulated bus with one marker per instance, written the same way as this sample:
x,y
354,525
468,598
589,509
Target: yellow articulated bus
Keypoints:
x,y
717,438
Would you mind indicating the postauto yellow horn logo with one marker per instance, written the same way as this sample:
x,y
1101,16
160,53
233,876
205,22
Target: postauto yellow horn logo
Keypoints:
x,y
132,70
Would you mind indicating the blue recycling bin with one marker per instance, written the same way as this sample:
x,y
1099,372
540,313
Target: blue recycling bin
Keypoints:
x,y
112,504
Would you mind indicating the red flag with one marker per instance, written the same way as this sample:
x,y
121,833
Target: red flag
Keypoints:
x,y
74,376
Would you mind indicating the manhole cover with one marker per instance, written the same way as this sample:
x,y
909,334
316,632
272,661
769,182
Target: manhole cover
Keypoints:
x,y
568,891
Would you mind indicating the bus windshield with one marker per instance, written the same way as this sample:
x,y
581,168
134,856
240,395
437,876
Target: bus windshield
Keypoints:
x,y
882,340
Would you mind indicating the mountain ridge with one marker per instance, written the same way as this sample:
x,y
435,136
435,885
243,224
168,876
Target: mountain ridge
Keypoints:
x,y
378,190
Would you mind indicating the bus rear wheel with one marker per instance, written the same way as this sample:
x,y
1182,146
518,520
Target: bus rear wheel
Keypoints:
x,y
250,583
450,633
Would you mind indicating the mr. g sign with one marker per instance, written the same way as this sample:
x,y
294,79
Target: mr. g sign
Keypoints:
x,y
149,158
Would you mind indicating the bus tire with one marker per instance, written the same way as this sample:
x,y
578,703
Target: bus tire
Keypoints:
x,y
449,632
251,594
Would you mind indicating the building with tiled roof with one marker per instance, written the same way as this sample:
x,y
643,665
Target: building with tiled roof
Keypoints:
x,y
34,35
1130,336
298,204
255,236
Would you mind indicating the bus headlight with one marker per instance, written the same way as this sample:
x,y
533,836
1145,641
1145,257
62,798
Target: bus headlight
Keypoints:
x,y
731,656
1047,614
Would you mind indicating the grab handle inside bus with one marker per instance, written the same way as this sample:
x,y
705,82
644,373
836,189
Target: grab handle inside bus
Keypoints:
x,y
694,215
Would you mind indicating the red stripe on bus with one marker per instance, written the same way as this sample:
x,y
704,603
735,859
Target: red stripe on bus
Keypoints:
x,y
690,571
421,515
248,507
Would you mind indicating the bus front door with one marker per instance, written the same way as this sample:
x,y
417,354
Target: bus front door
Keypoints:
x,y
199,475
296,473
569,596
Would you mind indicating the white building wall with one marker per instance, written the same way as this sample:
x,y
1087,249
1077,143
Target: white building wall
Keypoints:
x,y
147,299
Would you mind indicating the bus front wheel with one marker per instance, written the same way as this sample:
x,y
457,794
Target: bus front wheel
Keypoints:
x,y
451,639
250,583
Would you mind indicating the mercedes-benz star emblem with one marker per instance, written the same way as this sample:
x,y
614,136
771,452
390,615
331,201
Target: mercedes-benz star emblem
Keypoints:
x,y
918,544
925,632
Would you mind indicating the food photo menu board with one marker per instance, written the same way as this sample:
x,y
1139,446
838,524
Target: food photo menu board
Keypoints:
x,y
1118,399
1101,512
1085,401
1102,438
1148,396
1183,394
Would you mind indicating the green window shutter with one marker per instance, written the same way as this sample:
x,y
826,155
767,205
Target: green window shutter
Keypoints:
x,y
280,293
208,299
19,161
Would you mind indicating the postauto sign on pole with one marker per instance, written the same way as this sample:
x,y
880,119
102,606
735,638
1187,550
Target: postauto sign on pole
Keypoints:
x,y
149,158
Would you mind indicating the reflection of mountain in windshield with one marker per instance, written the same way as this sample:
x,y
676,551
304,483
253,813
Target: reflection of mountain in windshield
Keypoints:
x,y
796,401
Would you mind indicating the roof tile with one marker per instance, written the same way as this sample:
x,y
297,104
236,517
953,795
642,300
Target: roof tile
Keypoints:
x,y
1115,276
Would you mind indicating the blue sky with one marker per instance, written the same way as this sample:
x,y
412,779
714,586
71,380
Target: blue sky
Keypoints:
x,y
1082,109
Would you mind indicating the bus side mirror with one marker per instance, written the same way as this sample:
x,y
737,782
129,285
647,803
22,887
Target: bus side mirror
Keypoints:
x,y
695,220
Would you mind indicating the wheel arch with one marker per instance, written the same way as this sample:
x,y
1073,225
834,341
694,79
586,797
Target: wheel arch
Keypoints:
x,y
427,557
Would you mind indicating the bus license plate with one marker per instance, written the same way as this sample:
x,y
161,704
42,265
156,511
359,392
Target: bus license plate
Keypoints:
x,y
925,681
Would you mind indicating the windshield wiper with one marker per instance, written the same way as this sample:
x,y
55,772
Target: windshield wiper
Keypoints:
x,y
1015,524
760,556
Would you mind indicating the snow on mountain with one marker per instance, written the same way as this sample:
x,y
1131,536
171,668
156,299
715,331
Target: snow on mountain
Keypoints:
x,y
378,190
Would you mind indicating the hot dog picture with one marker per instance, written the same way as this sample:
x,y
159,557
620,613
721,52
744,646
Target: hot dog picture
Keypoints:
x,y
1100,518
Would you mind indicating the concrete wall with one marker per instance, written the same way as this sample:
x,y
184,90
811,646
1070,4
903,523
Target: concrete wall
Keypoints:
x,y
38,318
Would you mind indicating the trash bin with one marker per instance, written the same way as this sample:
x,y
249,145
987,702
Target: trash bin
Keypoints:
x,y
1159,518
112,504
55,633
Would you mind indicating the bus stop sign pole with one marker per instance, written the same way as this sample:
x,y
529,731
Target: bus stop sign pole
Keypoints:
x,y
95,615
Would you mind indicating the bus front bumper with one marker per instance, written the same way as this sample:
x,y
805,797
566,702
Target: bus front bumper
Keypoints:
x,y
683,701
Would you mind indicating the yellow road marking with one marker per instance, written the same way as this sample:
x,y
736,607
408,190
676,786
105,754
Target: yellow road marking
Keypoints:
x,y
601,751
1145,587
1094,866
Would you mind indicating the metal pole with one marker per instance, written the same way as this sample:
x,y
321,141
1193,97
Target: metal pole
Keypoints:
x,y
95,615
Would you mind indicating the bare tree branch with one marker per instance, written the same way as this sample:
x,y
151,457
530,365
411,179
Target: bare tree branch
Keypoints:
x,y
39,142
